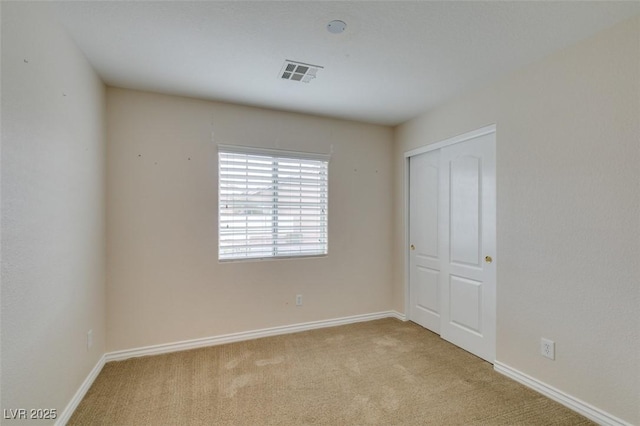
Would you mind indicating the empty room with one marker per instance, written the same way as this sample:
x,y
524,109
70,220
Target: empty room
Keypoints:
x,y
310,212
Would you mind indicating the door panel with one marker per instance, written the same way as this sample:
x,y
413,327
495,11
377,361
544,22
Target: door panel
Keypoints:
x,y
465,210
428,294
425,232
424,258
466,304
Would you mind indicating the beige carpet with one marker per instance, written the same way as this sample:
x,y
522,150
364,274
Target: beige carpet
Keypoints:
x,y
383,372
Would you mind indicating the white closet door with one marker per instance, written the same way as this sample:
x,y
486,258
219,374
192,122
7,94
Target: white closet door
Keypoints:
x,y
424,261
468,241
452,232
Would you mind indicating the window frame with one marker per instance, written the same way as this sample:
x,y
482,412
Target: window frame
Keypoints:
x,y
277,155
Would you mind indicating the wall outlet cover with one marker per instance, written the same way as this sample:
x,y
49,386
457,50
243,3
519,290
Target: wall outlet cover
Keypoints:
x,y
548,348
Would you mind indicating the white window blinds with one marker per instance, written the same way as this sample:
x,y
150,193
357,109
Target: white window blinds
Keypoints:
x,y
271,203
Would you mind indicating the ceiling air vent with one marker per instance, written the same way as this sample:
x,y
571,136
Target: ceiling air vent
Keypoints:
x,y
299,71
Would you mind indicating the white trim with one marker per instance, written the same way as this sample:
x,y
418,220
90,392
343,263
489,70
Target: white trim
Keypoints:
x,y
246,335
589,411
82,391
398,315
405,243
273,152
451,141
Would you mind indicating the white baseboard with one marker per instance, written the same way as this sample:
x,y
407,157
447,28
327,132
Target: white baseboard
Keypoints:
x,y
589,411
75,401
398,315
246,335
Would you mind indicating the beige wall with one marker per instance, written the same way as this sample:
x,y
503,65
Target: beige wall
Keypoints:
x,y
53,212
568,177
165,283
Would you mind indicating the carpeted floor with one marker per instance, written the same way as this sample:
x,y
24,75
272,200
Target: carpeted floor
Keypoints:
x,y
384,372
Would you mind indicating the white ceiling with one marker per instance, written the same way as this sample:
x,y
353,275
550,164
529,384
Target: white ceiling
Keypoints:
x,y
394,61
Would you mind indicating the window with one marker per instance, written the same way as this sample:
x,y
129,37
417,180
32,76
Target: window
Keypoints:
x,y
271,203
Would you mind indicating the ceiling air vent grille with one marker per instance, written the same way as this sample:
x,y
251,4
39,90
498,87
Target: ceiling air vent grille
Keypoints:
x,y
299,71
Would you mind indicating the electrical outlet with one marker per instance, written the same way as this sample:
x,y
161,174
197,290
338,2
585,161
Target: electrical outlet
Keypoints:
x,y
548,348
89,339
299,300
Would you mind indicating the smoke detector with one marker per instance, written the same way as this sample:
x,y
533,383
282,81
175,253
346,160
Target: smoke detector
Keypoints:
x,y
299,71
336,26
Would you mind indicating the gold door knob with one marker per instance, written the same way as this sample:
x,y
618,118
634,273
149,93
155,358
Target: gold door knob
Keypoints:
x,y
413,247
488,259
